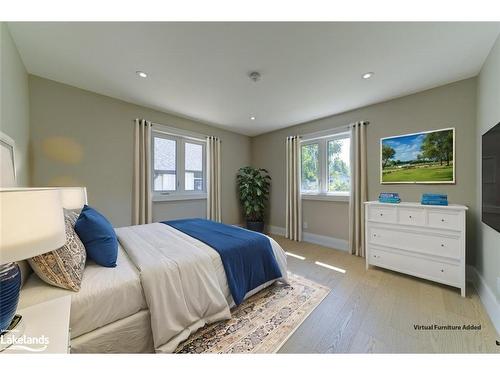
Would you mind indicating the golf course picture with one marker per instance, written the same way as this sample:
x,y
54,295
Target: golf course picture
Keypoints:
x,y
427,157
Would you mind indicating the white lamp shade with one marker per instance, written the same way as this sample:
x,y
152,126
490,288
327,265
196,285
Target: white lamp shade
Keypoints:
x,y
73,198
31,223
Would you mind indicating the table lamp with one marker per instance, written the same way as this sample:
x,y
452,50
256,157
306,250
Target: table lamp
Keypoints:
x,y
31,223
73,198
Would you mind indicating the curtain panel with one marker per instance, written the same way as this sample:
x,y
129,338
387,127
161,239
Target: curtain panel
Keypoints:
x,y
142,200
213,179
293,200
359,189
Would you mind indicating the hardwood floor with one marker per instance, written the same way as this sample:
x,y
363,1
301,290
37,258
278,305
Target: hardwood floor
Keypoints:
x,y
374,311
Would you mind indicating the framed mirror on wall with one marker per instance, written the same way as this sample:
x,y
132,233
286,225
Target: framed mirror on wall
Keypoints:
x,y
7,161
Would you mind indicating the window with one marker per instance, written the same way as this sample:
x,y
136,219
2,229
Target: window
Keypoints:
x,y
338,174
178,167
310,168
194,166
325,166
165,176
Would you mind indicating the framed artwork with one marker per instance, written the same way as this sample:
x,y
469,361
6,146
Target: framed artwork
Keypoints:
x,y
7,162
418,158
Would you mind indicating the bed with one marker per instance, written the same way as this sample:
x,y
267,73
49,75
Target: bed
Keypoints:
x,y
167,284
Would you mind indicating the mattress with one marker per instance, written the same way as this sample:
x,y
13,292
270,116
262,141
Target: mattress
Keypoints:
x,y
106,295
129,335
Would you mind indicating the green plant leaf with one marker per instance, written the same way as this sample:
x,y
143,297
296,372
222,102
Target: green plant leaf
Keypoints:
x,y
253,186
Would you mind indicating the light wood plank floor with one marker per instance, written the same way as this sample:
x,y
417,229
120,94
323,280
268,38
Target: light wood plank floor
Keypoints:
x,y
374,311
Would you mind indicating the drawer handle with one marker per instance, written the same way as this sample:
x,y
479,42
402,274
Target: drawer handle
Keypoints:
x,y
442,270
442,245
442,220
409,216
381,214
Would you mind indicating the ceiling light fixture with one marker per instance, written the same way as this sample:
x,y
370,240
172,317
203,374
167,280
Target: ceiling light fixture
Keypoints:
x,y
252,118
367,75
141,74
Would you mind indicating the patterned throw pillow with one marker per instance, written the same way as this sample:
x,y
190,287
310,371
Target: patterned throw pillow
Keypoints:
x,y
63,267
72,215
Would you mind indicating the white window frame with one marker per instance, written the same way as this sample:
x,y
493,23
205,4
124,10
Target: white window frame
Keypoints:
x,y
180,193
323,193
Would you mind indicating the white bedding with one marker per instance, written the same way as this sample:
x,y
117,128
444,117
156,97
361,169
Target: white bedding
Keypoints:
x,y
183,280
178,278
106,295
129,335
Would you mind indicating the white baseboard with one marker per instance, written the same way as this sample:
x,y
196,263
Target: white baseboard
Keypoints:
x,y
336,243
280,231
490,302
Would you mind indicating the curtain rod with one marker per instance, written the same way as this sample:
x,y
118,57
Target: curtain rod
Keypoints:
x,y
171,130
332,131
178,131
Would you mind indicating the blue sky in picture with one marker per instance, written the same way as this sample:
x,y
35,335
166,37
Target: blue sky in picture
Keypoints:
x,y
407,147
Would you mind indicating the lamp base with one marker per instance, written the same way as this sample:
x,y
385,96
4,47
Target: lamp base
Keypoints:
x,y
15,330
10,286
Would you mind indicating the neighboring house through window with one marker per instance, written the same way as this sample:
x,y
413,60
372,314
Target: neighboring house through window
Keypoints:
x,y
178,166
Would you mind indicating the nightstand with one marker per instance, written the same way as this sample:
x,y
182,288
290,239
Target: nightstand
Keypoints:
x,y
47,326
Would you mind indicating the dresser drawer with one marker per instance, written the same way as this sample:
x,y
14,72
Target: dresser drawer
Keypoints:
x,y
421,242
383,214
411,216
445,273
445,219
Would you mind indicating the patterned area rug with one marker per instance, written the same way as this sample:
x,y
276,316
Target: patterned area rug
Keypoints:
x,y
262,323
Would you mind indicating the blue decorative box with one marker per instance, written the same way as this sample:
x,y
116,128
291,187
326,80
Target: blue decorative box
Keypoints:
x,y
434,199
389,198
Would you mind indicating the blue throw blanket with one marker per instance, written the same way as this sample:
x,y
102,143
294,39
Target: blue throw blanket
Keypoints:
x,y
247,256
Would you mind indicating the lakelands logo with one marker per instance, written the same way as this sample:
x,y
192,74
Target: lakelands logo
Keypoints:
x,y
447,327
29,343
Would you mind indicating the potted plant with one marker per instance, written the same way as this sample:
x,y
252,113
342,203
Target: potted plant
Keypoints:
x,y
253,186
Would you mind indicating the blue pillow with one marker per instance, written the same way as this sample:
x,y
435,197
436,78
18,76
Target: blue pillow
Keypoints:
x,y
98,237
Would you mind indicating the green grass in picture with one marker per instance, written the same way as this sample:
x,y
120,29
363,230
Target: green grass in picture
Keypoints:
x,y
433,173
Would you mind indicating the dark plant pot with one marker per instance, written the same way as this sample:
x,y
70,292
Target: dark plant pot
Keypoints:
x,y
256,226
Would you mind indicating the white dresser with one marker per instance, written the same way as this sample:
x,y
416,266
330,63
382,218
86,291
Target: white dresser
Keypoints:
x,y
419,240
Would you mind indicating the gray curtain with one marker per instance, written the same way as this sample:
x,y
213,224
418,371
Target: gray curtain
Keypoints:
x,y
359,188
213,179
142,205
293,201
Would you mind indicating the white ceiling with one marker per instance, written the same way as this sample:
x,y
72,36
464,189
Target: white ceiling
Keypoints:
x,y
309,70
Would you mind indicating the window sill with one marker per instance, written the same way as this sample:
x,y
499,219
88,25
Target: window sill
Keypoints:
x,y
178,197
326,197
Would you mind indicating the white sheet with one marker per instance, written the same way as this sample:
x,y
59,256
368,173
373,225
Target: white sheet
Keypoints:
x,y
129,335
106,295
183,280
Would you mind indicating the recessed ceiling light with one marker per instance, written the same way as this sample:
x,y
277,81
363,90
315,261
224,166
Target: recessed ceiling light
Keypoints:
x,y
142,74
367,75
252,118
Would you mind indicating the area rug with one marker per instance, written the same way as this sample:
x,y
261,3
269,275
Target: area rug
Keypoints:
x,y
262,323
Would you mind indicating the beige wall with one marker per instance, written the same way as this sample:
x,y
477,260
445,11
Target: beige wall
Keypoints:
x,y
453,105
326,218
14,103
488,115
86,139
